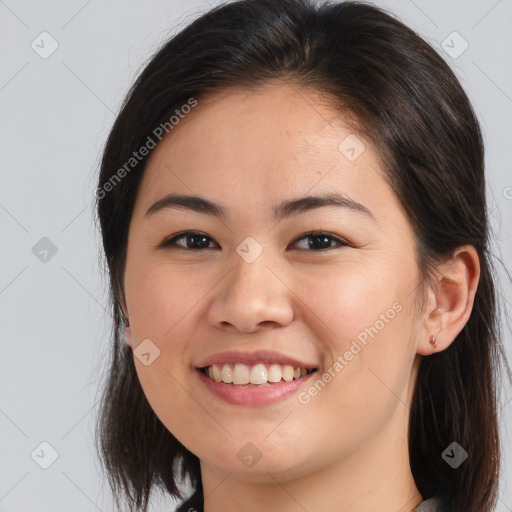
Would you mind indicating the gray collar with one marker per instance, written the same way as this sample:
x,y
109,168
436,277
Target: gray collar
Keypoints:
x,y
430,505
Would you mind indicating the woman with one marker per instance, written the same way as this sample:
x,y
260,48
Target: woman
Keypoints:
x,y
292,205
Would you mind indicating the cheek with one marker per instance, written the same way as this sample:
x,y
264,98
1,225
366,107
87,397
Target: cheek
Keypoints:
x,y
159,296
349,298
368,314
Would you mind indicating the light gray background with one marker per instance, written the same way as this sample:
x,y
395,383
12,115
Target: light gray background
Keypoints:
x,y
55,116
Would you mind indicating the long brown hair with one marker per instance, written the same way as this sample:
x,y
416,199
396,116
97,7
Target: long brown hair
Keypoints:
x,y
406,99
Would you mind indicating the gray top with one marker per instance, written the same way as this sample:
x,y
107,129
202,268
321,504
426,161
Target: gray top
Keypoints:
x,y
430,505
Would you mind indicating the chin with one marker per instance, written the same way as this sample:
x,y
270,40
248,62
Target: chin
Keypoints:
x,y
249,463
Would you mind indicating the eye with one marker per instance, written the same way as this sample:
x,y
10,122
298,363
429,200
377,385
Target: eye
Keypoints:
x,y
321,240
195,240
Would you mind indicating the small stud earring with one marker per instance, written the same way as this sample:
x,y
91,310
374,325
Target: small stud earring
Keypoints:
x,y
433,341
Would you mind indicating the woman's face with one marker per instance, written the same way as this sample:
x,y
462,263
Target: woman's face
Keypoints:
x,y
254,279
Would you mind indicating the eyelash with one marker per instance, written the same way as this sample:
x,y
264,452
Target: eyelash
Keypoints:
x,y
171,241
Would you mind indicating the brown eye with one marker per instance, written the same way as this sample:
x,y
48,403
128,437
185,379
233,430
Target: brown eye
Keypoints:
x,y
319,241
193,240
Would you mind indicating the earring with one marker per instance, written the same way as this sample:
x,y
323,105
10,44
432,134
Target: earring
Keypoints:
x,y
433,341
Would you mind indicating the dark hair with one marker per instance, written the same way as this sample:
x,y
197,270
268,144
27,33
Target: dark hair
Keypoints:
x,y
404,98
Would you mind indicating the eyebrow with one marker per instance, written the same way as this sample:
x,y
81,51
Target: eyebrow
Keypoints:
x,y
284,210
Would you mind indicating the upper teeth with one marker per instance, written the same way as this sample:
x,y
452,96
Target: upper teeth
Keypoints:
x,y
258,374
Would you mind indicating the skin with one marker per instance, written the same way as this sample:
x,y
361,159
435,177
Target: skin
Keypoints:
x,y
347,448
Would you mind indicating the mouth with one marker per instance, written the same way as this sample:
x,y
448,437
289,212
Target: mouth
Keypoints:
x,y
255,375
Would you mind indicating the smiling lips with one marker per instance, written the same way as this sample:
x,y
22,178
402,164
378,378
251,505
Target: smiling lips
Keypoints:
x,y
260,367
253,378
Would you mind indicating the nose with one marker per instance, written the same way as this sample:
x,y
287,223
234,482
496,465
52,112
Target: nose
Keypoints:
x,y
251,297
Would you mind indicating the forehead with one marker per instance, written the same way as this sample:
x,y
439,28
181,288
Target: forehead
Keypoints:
x,y
287,119
259,145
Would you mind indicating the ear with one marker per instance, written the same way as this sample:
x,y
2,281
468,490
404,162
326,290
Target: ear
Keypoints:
x,y
128,336
450,300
